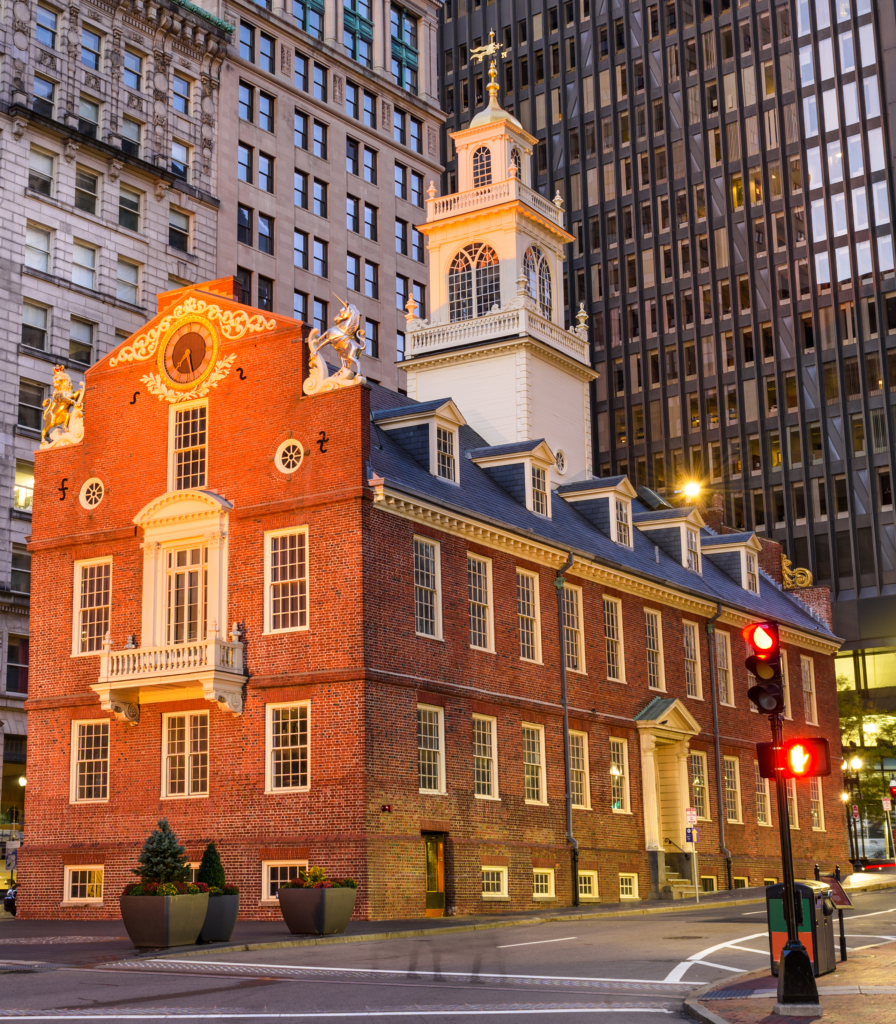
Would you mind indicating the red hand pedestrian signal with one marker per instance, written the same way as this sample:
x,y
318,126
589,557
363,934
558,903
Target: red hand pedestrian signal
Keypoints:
x,y
800,758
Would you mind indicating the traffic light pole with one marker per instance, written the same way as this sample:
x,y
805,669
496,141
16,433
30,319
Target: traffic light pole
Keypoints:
x,y
796,978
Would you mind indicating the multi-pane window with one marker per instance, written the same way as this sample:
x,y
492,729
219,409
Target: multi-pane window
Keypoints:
x,y
763,804
573,633
186,754
613,639
793,813
83,885
190,443
187,594
287,727
752,573
17,660
88,116
446,463
623,522
288,585
31,397
543,883
275,874
128,208
34,326
266,111
485,770
127,281
404,49
429,749
90,777
619,794
479,601
723,667
539,491
816,804
693,550
628,887
494,882
807,670
244,162
358,31
732,788
474,282
90,49
691,642
533,764
427,613
309,15
653,643
300,130
698,784
370,222
528,615
588,887
180,88
94,604
578,769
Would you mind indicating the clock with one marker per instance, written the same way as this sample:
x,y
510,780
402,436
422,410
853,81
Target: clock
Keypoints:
x,y
188,354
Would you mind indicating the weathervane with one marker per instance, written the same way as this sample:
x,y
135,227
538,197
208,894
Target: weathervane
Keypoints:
x,y
489,50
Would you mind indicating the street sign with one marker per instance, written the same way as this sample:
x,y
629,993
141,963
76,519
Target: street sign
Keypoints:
x,y
692,835
855,812
12,854
690,815
888,803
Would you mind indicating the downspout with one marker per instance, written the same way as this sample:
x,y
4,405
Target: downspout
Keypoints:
x,y
559,582
720,796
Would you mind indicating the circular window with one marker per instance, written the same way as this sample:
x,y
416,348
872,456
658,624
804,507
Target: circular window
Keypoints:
x,y
92,492
560,462
289,456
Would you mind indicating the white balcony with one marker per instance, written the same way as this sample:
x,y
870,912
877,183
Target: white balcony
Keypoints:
x,y
519,322
511,190
211,669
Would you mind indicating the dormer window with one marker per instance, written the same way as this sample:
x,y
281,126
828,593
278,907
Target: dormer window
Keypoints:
x,y
539,491
752,573
482,167
693,550
623,523
445,458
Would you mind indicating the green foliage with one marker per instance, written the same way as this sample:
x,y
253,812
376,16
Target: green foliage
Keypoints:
x,y
211,870
874,736
163,858
316,878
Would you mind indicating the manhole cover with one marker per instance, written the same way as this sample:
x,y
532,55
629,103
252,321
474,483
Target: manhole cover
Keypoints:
x,y
677,938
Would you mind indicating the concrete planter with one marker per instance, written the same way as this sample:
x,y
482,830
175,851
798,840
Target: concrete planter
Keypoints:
x,y
163,920
220,918
317,911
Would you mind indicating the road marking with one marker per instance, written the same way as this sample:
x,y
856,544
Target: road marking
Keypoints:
x,y
750,913
725,945
137,965
876,913
748,949
540,942
677,973
331,1015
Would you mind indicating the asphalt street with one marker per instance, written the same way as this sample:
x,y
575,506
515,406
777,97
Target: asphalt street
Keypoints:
x,y
633,969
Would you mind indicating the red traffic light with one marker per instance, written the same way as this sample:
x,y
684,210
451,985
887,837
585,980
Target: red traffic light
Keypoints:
x,y
763,638
800,758
893,788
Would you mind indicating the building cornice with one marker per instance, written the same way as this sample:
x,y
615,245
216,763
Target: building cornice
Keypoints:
x,y
475,350
487,213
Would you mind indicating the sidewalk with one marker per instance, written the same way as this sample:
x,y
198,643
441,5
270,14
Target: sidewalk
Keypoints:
x,y
859,992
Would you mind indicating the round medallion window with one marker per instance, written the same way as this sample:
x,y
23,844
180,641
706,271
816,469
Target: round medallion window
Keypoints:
x,y
92,492
289,456
560,461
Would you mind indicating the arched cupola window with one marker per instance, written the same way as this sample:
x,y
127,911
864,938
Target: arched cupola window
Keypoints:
x,y
474,282
482,167
538,279
516,161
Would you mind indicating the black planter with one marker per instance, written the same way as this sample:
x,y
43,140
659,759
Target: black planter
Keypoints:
x,y
163,920
317,911
220,918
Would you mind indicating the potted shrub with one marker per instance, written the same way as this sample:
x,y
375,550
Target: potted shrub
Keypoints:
x,y
317,905
162,909
223,901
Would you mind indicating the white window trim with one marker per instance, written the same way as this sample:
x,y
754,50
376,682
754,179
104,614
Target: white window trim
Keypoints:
x,y
438,565
615,600
785,674
791,786
67,901
530,495
443,788
659,635
490,612
805,659
721,632
740,807
268,630
172,418
702,755
271,901
627,801
711,878
633,875
502,871
699,695
631,528
580,607
76,604
552,893
595,895
268,732
587,805
73,762
543,782
435,424
536,597
163,787
496,793
685,532
818,782
768,801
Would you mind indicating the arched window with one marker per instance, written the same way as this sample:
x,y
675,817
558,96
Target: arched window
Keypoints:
x,y
474,282
482,167
538,279
515,161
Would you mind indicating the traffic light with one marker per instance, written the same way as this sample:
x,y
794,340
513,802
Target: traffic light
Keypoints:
x,y
893,788
800,758
765,664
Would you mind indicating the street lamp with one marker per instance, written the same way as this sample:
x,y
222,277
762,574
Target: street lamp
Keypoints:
x,y
23,781
853,781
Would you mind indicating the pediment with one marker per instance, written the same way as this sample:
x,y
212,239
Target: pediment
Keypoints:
x,y
667,714
182,506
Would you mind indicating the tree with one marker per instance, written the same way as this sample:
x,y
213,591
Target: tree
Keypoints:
x,y
163,858
211,870
873,735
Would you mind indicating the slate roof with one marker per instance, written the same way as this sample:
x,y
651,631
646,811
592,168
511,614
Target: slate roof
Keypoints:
x,y
594,484
382,415
658,707
659,514
479,496
517,448
725,538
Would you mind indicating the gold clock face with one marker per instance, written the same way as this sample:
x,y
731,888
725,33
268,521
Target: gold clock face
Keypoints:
x,y
188,354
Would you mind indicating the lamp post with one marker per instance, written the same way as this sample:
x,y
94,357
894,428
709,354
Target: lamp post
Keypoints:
x,y
854,782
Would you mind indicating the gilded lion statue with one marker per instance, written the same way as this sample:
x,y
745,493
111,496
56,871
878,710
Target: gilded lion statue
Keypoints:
x,y
63,420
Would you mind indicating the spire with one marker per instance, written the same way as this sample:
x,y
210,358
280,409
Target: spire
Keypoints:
x,y
493,112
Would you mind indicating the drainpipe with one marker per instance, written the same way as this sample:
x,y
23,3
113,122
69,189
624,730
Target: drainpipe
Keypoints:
x,y
720,797
559,582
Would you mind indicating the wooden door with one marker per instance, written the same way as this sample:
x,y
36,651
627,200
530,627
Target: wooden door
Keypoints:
x,y
435,875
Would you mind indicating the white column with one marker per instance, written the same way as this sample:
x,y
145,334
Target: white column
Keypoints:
x,y
330,22
380,32
684,790
648,789
151,632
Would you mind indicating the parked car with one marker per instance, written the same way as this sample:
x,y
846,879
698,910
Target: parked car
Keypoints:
x,y
9,901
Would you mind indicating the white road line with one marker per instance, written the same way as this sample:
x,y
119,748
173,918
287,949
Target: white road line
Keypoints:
x,y
750,913
330,1015
540,942
137,964
724,945
876,913
677,973
748,949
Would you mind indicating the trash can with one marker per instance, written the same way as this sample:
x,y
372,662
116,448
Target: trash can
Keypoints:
x,y
814,920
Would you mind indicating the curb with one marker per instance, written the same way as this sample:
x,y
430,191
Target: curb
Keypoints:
x,y
694,1009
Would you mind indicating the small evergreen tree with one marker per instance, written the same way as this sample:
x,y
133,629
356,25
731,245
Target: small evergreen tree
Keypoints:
x,y
211,870
163,858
